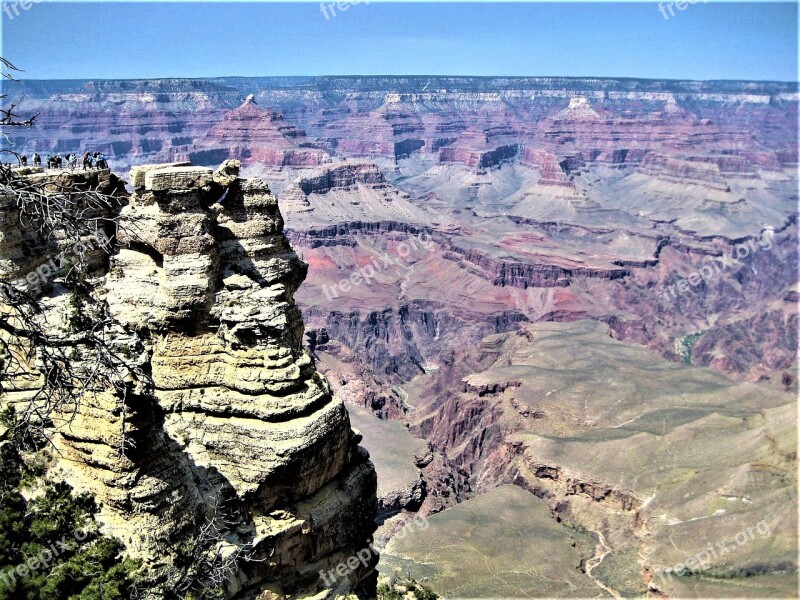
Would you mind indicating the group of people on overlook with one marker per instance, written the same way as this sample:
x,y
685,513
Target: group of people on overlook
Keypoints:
x,y
96,160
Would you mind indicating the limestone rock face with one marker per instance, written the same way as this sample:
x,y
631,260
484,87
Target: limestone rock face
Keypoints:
x,y
236,421
23,250
138,173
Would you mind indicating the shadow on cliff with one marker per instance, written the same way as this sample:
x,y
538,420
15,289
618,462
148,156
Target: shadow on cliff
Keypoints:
x,y
198,504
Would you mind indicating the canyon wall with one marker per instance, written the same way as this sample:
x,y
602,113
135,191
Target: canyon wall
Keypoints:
x,y
232,430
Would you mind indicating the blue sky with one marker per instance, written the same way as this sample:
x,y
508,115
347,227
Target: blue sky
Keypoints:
x,y
713,40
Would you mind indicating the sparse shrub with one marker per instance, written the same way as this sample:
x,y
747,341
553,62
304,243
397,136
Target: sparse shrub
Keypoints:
x,y
405,589
85,566
388,592
423,592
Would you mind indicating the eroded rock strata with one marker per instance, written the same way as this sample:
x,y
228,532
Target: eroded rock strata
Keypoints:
x,y
547,199
233,427
655,460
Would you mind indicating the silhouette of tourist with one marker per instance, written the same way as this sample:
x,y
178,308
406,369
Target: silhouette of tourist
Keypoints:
x,y
24,160
37,160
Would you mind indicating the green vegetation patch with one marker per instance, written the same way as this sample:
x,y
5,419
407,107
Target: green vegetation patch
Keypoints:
x,y
50,547
502,544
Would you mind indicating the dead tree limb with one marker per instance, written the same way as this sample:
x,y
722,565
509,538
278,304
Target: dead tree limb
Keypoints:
x,y
62,364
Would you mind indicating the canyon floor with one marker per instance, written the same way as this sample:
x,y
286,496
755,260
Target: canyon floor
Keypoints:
x,y
563,312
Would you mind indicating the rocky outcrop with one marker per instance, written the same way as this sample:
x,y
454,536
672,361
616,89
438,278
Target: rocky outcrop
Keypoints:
x,y
24,250
527,274
482,149
234,427
778,326
686,171
252,134
579,109
342,177
341,233
552,171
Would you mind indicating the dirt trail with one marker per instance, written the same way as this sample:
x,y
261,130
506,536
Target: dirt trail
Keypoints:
x,y
600,552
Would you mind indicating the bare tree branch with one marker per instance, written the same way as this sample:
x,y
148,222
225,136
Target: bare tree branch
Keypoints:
x,y
62,213
6,65
214,560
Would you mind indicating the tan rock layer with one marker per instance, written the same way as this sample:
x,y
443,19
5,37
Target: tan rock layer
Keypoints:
x,y
236,414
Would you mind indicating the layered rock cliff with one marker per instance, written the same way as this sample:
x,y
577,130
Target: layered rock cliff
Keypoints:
x,y
398,117
232,431
252,133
